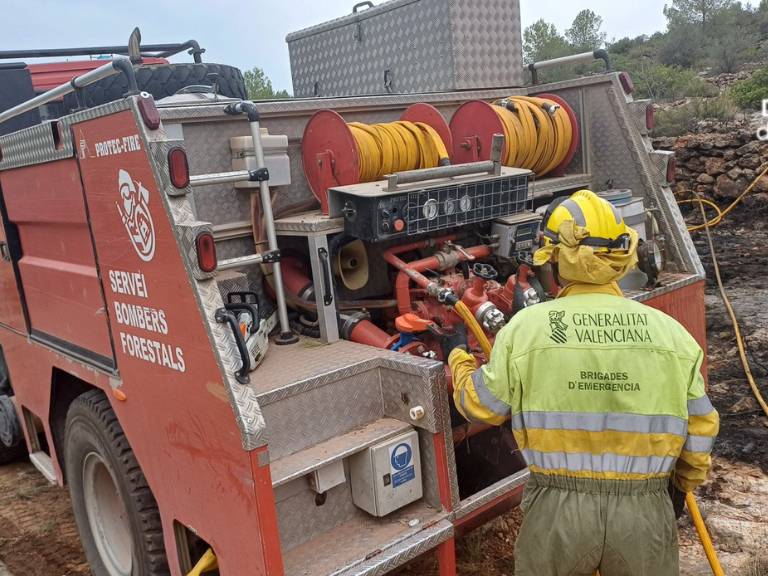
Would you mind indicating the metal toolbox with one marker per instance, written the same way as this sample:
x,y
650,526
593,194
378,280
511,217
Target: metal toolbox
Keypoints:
x,y
406,46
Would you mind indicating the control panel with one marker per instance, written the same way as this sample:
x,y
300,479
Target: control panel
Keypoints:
x,y
373,213
517,235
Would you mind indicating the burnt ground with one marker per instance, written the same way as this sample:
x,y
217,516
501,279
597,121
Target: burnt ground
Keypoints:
x,y
38,536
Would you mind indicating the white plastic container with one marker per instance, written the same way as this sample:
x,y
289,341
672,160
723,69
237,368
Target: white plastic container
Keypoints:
x,y
634,215
275,157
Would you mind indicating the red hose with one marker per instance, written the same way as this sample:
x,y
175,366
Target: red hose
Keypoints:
x,y
403,282
366,332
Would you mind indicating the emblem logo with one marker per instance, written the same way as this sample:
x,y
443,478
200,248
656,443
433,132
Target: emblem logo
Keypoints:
x,y
558,327
134,212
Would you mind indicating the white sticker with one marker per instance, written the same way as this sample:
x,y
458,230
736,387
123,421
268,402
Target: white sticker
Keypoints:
x,y
134,211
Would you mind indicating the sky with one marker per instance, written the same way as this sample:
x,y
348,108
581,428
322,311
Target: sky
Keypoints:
x,y
248,33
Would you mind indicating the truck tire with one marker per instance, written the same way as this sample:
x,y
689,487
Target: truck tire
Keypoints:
x,y
161,80
115,510
12,446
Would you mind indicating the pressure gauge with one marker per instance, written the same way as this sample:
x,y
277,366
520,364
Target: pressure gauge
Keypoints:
x,y
465,203
449,207
430,209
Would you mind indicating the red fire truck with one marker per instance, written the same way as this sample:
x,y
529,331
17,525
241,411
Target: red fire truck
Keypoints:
x,y
222,334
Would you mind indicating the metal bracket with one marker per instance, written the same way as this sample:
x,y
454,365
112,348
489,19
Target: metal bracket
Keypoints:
x,y
260,175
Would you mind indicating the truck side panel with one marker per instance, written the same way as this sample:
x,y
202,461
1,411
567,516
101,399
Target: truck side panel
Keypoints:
x,y
57,267
177,415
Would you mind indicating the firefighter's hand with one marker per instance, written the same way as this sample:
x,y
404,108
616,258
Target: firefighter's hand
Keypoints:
x,y
678,498
455,338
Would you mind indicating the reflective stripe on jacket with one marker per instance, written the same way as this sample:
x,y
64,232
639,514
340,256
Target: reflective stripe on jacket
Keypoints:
x,y
595,386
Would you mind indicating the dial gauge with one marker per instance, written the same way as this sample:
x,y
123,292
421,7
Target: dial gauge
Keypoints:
x,y
430,209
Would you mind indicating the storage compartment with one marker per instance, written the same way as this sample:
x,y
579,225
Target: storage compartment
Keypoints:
x,y
406,46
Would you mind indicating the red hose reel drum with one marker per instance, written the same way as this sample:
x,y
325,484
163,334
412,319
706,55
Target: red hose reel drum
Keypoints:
x,y
329,151
475,122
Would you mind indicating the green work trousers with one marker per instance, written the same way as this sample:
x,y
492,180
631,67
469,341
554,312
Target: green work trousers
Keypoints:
x,y
575,526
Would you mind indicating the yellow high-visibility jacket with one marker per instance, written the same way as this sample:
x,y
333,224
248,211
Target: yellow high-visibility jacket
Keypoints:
x,y
596,386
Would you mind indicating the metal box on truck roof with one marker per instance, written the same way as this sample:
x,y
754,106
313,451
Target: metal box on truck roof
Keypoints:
x,y
407,46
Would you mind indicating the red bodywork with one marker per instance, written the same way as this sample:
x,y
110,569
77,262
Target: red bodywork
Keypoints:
x,y
176,414
49,76
172,404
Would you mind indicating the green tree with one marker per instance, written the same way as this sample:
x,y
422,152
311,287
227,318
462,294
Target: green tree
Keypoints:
x,y
683,45
584,33
734,34
259,87
542,41
694,11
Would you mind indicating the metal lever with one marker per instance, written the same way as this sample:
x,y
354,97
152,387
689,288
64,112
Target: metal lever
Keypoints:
x,y
585,57
492,166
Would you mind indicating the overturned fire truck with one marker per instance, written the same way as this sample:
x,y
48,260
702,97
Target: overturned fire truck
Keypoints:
x,y
220,322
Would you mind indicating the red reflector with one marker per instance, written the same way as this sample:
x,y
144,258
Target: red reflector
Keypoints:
x,y
671,170
148,110
626,83
650,117
206,252
178,167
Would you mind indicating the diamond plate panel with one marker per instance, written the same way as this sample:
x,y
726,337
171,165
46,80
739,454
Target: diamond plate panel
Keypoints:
x,y
404,551
300,519
637,109
411,39
322,413
208,152
34,145
424,45
487,44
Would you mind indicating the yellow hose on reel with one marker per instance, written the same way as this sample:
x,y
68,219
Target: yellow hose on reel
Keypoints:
x,y
396,147
538,132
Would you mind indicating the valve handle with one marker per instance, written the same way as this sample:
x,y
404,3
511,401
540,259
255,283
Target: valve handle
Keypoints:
x,y
484,271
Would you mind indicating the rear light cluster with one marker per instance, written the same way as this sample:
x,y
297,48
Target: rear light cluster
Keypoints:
x,y
206,252
626,83
149,112
178,167
650,117
671,170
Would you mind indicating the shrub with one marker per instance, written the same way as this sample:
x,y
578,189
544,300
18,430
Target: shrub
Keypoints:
x,y
683,119
750,93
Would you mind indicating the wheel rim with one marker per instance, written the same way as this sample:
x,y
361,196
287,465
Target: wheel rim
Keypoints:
x,y
107,516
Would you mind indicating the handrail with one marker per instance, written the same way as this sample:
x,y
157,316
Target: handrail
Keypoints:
x,y
150,50
600,54
120,64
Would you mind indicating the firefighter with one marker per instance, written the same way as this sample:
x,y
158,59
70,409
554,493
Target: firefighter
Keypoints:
x,y
607,404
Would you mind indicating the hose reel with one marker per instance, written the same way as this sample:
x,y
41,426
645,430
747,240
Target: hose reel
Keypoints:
x,y
541,132
335,153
